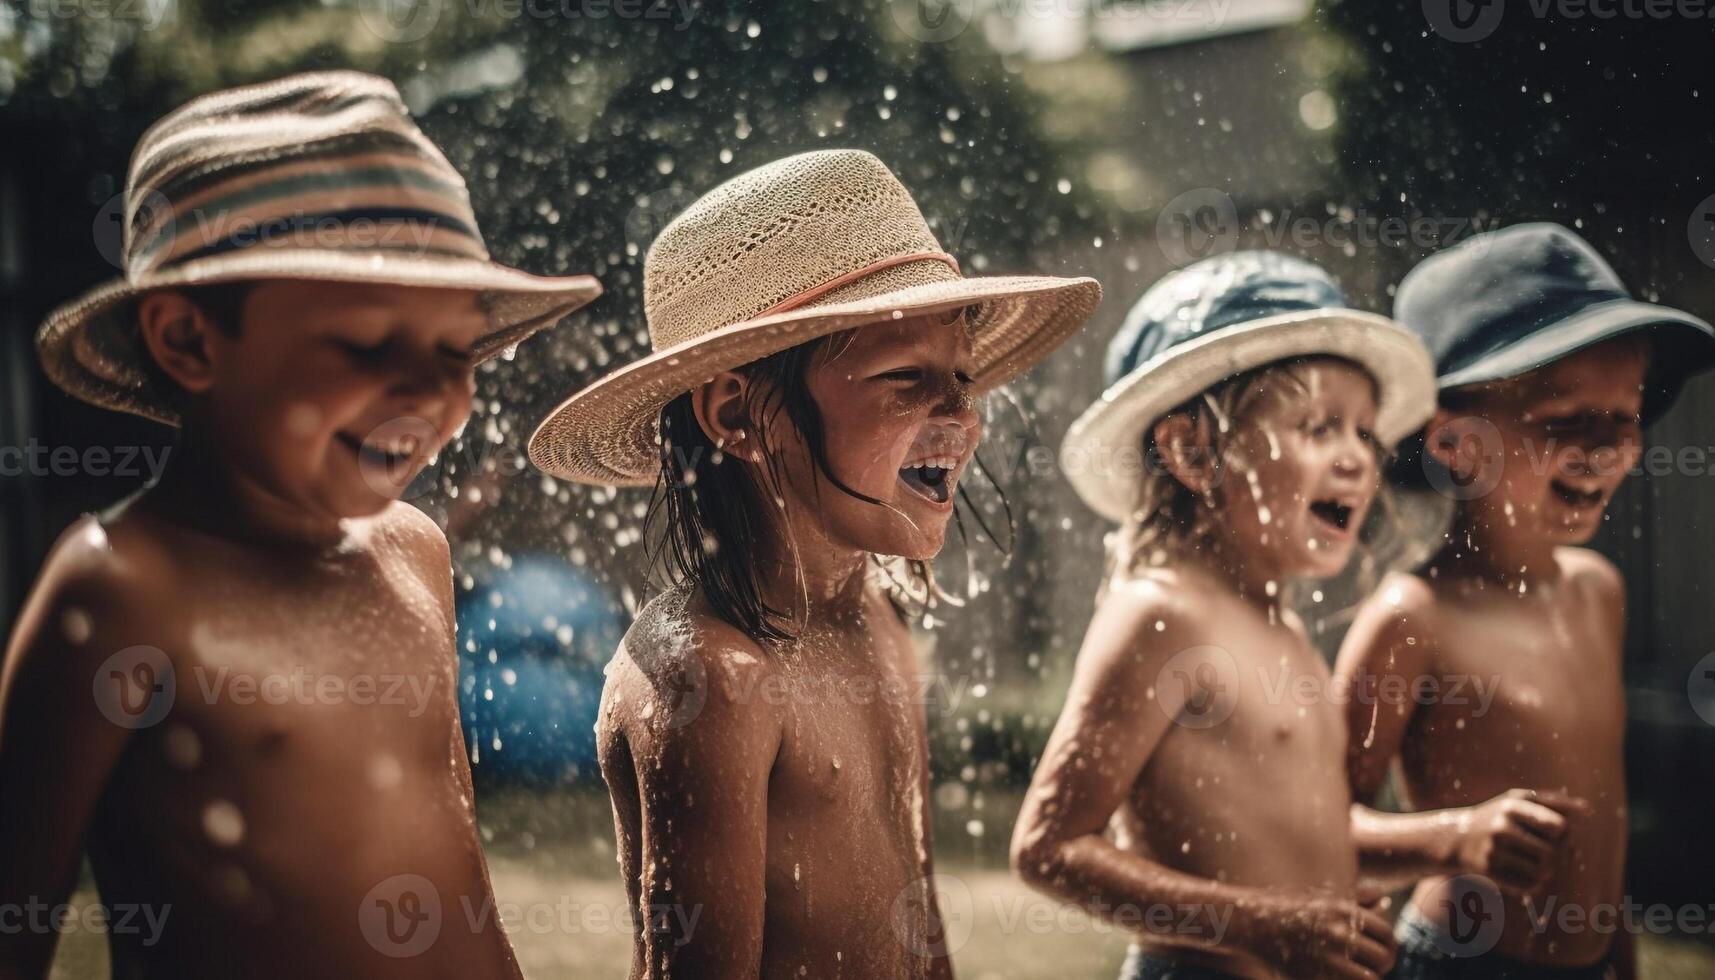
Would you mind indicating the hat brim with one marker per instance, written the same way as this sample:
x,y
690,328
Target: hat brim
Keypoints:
x,y
1690,340
1111,430
606,433
91,347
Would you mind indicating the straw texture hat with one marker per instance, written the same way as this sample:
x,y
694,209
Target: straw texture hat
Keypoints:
x,y
800,248
320,176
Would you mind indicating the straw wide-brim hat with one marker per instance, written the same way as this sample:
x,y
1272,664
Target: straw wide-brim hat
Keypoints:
x,y
795,250
320,176
1096,452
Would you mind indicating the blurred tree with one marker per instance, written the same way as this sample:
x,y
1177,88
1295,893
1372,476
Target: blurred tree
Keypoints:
x,y
581,136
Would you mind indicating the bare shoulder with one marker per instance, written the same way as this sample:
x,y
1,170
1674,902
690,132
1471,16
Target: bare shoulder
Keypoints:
x,y
104,586
1403,599
1595,578
682,672
1590,569
1148,616
415,532
1400,621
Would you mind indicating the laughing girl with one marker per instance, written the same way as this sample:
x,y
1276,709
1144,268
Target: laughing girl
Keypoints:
x,y
810,408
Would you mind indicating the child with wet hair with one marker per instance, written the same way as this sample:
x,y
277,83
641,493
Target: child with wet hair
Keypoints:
x,y
1191,790
238,689
1548,370
807,417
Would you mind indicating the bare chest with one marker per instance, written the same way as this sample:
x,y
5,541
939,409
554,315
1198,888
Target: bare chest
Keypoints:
x,y
1542,672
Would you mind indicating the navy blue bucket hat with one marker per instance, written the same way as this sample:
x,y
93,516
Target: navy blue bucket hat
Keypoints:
x,y
1504,303
1218,318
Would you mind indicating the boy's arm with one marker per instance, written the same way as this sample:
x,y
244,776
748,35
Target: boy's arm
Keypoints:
x,y
941,960
1623,953
56,745
1115,717
703,755
1389,646
1509,838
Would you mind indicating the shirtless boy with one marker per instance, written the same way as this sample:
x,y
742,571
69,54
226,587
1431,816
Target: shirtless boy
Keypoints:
x,y
1548,370
1183,773
237,688
814,386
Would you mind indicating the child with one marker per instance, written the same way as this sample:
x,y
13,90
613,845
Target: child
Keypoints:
x,y
1548,370
811,405
238,687
1255,403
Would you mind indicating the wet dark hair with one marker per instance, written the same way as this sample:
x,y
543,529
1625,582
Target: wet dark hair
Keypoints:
x,y
705,516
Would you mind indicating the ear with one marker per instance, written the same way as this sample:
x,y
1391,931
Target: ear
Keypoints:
x,y
720,409
1444,440
1186,455
178,335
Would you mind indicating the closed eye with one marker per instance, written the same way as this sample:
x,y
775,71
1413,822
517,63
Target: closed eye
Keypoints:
x,y
357,350
901,374
460,354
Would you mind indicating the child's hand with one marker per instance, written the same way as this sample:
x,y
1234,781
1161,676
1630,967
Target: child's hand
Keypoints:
x,y
1313,935
1511,839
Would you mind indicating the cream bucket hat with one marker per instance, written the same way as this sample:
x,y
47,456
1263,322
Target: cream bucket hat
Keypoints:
x,y
800,248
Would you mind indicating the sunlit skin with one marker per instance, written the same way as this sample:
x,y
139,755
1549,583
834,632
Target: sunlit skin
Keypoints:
x,y
312,750
1512,602
1241,824
771,798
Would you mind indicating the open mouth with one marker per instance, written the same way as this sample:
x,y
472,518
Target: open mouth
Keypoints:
x,y
1574,497
388,456
1334,514
931,478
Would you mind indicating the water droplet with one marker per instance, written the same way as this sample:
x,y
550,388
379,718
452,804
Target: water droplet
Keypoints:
x,y
181,746
77,625
385,772
223,822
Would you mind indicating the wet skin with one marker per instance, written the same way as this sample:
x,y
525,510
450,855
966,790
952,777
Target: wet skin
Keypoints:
x,y
771,797
1178,777
311,752
1512,602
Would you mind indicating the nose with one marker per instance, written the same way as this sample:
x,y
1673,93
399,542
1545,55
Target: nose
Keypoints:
x,y
1606,445
958,405
426,381
1355,458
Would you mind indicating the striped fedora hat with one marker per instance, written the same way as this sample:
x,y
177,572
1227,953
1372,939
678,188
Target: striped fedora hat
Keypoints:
x,y
320,176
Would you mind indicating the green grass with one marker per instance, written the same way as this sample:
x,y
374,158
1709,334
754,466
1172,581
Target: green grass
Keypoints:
x,y
551,855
